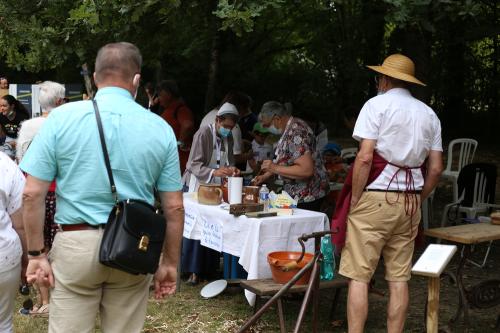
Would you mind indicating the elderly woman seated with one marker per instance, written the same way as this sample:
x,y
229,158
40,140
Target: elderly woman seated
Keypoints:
x,y
210,160
297,160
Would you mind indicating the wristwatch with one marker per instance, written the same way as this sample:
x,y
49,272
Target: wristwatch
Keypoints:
x,y
36,253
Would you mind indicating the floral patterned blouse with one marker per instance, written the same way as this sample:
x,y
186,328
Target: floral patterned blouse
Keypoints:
x,y
297,140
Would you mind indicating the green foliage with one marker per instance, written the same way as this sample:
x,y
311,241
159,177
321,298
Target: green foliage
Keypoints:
x,y
239,16
310,52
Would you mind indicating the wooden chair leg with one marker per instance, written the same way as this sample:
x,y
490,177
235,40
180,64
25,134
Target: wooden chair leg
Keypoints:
x,y
256,304
281,316
338,291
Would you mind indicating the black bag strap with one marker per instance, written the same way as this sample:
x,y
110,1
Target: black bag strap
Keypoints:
x,y
105,151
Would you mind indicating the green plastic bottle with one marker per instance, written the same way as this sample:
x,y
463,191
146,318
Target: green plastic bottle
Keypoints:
x,y
328,264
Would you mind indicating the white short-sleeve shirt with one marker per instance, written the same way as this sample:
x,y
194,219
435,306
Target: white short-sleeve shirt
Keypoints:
x,y
11,191
406,131
236,132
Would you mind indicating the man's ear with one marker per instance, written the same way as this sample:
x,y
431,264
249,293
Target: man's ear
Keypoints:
x,y
136,80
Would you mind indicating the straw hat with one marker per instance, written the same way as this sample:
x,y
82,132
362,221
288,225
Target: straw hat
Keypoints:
x,y
399,67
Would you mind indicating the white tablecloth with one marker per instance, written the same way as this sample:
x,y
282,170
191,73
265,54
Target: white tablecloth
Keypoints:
x,y
252,239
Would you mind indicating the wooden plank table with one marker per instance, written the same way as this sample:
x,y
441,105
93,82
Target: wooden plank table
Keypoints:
x,y
267,287
467,233
483,295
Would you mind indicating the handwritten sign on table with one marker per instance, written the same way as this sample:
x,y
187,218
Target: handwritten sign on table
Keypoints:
x,y
189,222
211,234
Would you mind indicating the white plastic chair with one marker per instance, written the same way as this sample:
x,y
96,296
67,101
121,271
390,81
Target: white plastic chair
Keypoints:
x,y
466,150
348,153
477,182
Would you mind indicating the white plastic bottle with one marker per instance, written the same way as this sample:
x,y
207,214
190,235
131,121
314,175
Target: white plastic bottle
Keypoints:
x,y
264,197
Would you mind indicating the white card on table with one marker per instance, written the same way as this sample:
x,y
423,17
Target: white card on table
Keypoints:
x,y
189,222
211,234
434,260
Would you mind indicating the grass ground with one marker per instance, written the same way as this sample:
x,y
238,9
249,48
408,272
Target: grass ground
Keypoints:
x,y
188,312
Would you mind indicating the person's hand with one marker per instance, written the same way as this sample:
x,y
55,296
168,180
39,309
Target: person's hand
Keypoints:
x,y
236,171
165,280
258,180
39,271
268,165
223,172
354,202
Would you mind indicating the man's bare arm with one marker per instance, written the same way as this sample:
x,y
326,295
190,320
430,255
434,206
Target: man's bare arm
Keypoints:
x,y
173,209
434,170
166,275
34,195
362,167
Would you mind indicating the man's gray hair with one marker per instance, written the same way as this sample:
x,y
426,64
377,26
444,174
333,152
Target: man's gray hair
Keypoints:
x,y
118,60
273,108
50,93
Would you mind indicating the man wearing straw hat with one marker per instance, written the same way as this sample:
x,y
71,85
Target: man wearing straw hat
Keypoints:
x,y
399,138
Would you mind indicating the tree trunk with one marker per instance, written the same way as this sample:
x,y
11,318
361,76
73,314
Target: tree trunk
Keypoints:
x,y
454,62
417,46
494,111
213,69
88,81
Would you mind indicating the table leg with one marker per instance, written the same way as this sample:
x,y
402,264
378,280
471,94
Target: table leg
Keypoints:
x,y
281,316
432,320
256,304
336,297
463,304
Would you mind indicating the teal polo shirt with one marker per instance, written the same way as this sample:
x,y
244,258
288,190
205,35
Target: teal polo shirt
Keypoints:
x,y
142,149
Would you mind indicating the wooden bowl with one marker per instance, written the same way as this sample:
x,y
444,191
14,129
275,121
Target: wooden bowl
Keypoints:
x,y
279,259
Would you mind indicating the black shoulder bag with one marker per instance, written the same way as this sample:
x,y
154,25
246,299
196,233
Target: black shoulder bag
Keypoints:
x,y
134,234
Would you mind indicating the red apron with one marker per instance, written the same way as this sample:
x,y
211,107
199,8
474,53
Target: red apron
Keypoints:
x,y
339,220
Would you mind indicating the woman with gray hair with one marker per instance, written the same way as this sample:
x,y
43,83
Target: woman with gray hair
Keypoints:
x,y
51,96
296,160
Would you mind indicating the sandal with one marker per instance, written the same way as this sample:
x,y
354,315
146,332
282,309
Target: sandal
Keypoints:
x,y
42,311
34,308
193,280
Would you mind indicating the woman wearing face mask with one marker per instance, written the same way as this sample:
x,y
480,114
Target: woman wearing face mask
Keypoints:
x,y
297,160
211,158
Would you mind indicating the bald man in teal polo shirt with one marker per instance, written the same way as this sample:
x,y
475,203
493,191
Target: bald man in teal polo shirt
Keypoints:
x,y
143,153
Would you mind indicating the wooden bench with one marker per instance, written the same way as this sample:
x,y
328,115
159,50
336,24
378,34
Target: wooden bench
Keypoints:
x,y
267,287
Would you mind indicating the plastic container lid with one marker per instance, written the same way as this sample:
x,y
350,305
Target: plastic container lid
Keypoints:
x,y
213,289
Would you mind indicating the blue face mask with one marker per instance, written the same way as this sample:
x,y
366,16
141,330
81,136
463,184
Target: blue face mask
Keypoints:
x,y
224,132
274,130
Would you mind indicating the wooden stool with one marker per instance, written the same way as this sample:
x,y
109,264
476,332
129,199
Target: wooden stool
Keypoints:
x,y
267,287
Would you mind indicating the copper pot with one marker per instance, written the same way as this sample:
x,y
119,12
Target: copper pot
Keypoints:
x,y
209,194
250,194
277,260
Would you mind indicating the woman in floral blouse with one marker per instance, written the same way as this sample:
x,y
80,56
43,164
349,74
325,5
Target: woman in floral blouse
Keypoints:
x,y
296,159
